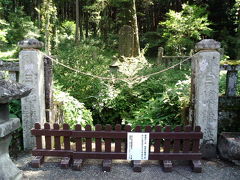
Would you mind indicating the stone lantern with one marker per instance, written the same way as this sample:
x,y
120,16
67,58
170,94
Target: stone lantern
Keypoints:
x,y
9,90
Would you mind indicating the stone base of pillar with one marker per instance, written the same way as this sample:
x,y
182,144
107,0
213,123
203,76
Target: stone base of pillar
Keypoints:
x,y
8,170
208,150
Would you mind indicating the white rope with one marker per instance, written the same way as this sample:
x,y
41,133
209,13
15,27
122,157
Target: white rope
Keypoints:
x,y
117,79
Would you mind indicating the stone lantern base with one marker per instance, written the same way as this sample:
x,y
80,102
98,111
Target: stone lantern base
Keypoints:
x,y
8,170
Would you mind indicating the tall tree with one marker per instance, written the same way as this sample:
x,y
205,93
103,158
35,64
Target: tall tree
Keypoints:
x,y
49,17
136,51
77,22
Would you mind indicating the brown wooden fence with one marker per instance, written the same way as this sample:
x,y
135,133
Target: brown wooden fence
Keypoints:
x,y
107,144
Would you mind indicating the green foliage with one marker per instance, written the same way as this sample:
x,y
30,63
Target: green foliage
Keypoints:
x,y
48,13
89,56
3,31
74,112
159,100
67,30
20,27
154,40
166,109
183,29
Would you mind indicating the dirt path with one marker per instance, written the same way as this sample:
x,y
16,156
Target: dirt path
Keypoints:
x,y
121,170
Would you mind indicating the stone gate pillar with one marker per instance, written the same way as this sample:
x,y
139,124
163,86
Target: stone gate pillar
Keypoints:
x,y
31,65
206,66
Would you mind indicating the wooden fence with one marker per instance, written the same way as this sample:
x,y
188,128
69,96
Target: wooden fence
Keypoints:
x,y
107,144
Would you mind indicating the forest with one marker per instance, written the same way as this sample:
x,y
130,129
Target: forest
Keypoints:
x,y
84,34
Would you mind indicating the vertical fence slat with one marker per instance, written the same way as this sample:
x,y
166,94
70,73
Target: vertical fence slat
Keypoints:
x,y
107,140
186,142
78,127
167,164
148,129
88,140
196,164
118,141
48,138
66,161
138,128
195,147
57,144
176,144
167,142
98,127
157,142
66,139
127,129
38,138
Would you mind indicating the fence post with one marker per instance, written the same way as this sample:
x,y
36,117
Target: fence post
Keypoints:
x,y
48,79
231,83
32,75
206,68
160,55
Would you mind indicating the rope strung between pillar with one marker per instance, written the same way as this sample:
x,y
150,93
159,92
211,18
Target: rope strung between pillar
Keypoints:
x,y
117,79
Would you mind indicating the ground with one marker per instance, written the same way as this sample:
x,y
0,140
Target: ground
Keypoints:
x,y
50,170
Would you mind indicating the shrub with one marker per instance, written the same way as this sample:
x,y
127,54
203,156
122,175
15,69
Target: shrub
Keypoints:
x,y
86,57
158,100
67,30
167,109
182,29
74,112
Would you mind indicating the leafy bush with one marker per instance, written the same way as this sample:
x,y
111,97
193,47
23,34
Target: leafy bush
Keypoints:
x,y
3,30
67,30
182,29
88,56
159,100
167,109
74,112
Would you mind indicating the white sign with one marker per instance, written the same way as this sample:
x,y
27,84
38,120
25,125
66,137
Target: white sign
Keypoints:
x,y
137,146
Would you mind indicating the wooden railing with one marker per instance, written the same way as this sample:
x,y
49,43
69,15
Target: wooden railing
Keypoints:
x,y
108,144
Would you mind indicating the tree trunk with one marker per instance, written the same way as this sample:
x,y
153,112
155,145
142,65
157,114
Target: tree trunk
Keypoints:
x,y
86,23
77,22
81,20
136,50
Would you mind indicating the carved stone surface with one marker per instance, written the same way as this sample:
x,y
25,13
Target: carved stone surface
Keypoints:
x,y
229,146
208,44
33,106
30,43
9,126
126,41
231,84
10,90
206,88
8,170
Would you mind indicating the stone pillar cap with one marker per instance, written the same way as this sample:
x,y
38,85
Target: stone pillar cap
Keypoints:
x,y
30,43
10,90
207,44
